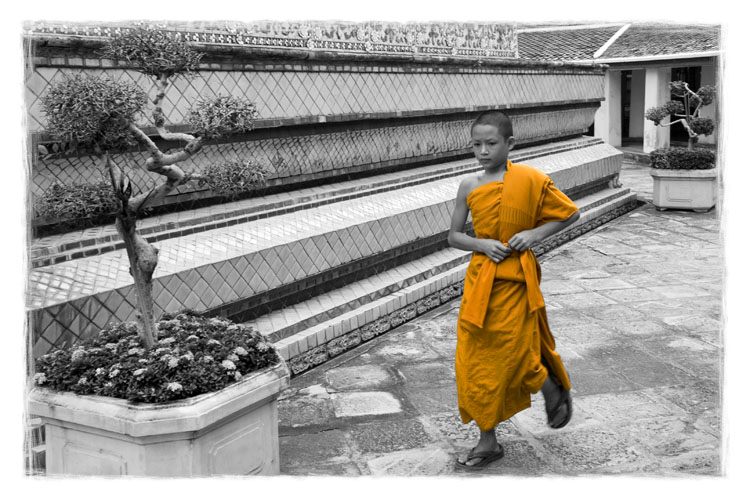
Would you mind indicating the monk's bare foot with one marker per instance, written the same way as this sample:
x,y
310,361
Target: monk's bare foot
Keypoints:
x,y
487,444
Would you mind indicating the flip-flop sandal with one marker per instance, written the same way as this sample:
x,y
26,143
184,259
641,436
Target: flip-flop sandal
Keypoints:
x,y
565,400
487,458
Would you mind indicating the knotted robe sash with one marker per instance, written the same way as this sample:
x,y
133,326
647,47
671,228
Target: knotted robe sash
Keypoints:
x,y
521,200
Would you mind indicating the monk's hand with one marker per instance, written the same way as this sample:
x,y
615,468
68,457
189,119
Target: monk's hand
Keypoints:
x,y
495,250
524,240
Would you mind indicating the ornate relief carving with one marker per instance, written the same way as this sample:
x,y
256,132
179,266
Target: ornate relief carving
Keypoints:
x,y
467,40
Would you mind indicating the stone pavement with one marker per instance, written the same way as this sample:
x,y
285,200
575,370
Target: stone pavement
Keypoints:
x,y
635,306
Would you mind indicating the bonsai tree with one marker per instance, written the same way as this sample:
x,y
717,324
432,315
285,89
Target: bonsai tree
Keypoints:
x,y
687,110
98,115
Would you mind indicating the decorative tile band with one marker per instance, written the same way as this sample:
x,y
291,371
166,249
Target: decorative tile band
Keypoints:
x,y
470,40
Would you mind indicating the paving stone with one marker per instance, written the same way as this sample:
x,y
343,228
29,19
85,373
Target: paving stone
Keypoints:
x,y
534,420
581,334
555,287
586,450
641,328
599,381
428,374
703,462
431,461
614,314
354,404
389,435
583,300
448,426
435,399
620,409
631,294
678,291
669,436
348,378
404,352
585,274
308,449
693,322
604,284
304,411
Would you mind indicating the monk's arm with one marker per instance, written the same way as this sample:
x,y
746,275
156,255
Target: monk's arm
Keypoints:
x,y
457,238
527,239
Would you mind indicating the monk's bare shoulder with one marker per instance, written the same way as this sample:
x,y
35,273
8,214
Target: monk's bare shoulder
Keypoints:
x,y
468,185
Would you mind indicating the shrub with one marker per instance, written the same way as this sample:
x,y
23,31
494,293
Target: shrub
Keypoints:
x,y
87,111
234,177
194,355
683,159
77,203
221,116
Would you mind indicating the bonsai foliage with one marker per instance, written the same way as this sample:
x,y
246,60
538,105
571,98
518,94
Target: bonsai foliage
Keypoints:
x,y
195,355
687,111
101,114
79,202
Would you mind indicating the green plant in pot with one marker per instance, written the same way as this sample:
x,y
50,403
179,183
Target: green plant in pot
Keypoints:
x,y
187,395
685,178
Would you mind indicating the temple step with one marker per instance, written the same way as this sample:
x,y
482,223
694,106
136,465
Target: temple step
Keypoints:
x,y
313,331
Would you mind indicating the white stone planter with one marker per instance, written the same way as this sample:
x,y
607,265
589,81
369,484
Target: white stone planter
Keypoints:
x,y
684,189
233,431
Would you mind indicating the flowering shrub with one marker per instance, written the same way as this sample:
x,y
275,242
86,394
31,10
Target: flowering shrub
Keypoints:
x,y
194,355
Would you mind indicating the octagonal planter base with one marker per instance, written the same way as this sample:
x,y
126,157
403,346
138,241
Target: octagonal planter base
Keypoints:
x,y
229,432
684,189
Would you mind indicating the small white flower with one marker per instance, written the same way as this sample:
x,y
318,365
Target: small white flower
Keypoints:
x,y
111,346
40,378
174,386
139,372
212,342
237,375
263,347
78,354
143,360
100,371
233,358
207,359
228,365
83,381
135,350
114,373
173,362
166,341
240,351
109,384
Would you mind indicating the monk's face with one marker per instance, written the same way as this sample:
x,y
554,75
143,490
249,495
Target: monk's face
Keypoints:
x,y
490,147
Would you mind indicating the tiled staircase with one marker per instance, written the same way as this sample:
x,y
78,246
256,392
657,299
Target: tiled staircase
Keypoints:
x,y
313,269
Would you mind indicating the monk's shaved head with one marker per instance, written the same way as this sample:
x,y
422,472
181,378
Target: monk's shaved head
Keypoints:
x,y
497,119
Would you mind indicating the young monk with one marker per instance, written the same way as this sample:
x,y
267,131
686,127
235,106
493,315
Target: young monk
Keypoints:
x,y
505,351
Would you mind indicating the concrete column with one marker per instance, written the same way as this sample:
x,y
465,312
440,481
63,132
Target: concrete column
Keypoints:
x,y
657,93
608,118
708,77
637,96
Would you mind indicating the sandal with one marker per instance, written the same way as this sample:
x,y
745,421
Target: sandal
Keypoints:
x,y
564,401
487,458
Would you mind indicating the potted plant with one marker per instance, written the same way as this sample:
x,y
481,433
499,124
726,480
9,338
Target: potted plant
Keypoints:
x,y
187,395
685,178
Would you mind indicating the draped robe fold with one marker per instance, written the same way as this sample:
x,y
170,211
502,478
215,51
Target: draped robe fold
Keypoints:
x,y
505,347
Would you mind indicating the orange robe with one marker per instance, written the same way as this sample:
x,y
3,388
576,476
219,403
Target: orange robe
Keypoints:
x,y
503,333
